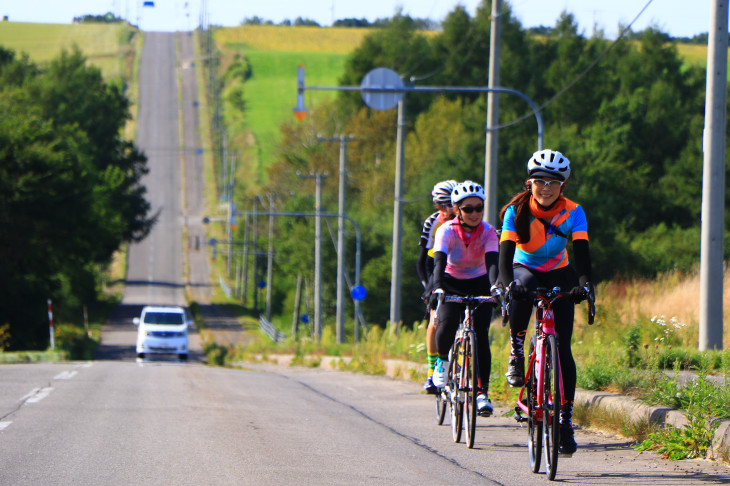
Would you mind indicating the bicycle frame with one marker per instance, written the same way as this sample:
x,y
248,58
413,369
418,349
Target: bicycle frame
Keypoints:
x,y
466,326
542,397
545,325
461,389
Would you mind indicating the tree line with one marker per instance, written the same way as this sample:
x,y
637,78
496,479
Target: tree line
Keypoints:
x,y
629,114
70,189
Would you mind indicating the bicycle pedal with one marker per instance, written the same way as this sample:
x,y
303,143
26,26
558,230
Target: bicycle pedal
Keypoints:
x,y
519,418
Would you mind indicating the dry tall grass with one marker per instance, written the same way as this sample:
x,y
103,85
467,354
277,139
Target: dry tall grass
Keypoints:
x,y
672,295
338,40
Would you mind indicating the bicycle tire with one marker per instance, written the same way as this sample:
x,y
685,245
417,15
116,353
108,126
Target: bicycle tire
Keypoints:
x,y
456,402
551,407
440,407
534,424
470,393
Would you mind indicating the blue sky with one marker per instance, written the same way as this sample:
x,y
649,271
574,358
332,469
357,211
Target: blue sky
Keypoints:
x,y
677,17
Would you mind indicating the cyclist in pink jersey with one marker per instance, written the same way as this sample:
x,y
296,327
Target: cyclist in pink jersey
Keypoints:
x,y
465,263
441,195
536,226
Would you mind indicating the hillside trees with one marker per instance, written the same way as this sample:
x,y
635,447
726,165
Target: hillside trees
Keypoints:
x,y
628,114
70,189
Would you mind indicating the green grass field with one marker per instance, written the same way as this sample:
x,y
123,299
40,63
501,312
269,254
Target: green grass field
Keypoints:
x,y
271,92
274,54
105,45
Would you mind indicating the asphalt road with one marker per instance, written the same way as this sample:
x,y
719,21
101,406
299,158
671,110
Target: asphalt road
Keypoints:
x,y
119,420
163,422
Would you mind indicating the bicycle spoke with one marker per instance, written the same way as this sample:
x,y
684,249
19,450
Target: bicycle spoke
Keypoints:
x,y
551,407
470,397
456,401
534,424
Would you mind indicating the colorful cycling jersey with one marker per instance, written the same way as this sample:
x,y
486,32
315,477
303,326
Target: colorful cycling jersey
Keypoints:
x,y
465,261
428,232
549,233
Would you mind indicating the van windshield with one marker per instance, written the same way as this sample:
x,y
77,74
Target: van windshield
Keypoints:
x,y
164,318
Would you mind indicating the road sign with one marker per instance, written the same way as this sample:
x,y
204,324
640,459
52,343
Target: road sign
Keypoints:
x,y
358,292
300,111
381,78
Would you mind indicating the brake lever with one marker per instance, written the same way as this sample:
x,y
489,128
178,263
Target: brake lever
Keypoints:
x,y
591,298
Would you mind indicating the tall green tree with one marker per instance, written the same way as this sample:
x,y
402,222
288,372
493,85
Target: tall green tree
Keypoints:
x,y
70,188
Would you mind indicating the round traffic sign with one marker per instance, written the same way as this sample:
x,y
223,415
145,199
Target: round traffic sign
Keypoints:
x,y
381,79
358,292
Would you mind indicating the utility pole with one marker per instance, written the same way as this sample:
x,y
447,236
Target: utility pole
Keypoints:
x,y
244,269
231,206
395,268
254,241
340,312
713,181
317,176
490,155
270,259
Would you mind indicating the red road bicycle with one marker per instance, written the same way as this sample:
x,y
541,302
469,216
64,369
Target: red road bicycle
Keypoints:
x,y
460,392
541,398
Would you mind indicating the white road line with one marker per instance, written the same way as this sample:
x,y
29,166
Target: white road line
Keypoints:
x,y
4,424
28,395
66,375
39,395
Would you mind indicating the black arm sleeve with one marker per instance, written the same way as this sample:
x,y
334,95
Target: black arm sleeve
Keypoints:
x,y
506,256
582,255
439,260
421,266
491,260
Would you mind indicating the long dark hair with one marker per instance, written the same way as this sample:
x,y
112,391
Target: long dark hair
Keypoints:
x,y
521,202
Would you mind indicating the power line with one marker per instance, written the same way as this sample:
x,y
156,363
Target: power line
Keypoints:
x,y
579,76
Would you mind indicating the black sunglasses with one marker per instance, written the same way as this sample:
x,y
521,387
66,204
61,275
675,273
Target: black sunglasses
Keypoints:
x,y
471,209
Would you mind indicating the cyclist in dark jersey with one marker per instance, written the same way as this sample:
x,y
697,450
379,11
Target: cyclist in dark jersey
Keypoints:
x,y
465,263
441,195
536,226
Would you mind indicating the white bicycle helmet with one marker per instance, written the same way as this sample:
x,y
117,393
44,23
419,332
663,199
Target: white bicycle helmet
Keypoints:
x,y
467,189
442,192
549,163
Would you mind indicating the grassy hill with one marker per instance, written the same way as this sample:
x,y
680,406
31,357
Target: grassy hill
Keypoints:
x,y
274,53
105,45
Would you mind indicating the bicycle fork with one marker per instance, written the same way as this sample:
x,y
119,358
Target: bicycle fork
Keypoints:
x,y
535,363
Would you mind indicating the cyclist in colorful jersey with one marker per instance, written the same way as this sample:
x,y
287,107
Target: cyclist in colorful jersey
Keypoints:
x,y
536,226
441,195
465,263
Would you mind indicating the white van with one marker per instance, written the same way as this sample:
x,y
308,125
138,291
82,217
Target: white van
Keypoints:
x,y
162,330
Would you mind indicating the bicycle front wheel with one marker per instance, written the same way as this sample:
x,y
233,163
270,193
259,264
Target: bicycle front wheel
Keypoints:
x,y
469,367
456,400
551,406
534,423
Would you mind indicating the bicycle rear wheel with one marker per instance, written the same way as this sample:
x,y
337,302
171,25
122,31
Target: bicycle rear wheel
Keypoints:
x,y
534,424
440,407
469,367
456,400
551,407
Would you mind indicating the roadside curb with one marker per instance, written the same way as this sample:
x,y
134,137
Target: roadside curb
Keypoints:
x,y
661,416
633,408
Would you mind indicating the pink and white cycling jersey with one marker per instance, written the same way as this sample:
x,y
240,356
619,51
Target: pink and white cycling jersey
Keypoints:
x,y
465,261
